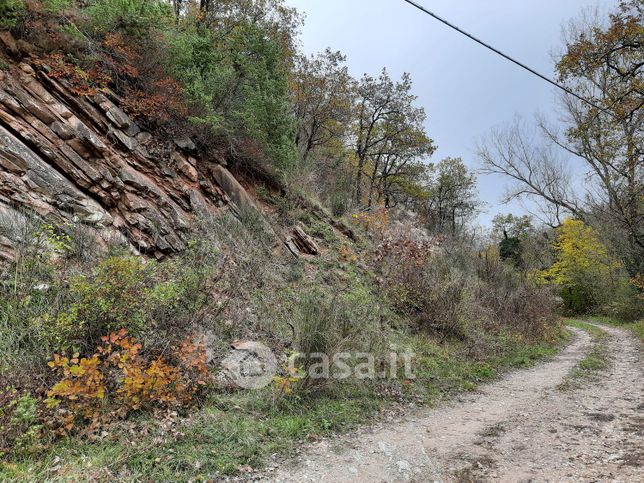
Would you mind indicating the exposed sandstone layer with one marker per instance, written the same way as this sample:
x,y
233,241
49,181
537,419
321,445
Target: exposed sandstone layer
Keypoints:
x,y
83,159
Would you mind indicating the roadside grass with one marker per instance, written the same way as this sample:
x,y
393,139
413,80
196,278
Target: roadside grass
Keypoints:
x,y
230,434
240,432
636,327
594,361
596,332
444,370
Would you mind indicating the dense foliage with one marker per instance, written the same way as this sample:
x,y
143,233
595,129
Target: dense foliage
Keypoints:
x,y
591,280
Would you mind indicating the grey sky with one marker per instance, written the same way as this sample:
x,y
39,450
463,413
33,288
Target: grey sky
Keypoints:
x,y
465,89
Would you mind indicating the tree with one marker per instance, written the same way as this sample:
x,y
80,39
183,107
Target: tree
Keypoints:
x,y
388,131
535,166
512,226
322,93
177,5
522,242
603,62
398,181
451,198
278,21
583,268
234,62
396,166
512,232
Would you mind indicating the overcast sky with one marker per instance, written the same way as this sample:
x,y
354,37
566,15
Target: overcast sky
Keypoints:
x,y
465,89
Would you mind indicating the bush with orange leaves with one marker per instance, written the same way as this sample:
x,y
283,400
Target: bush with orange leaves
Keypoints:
x,y
148,90
161,101
119,379
81,82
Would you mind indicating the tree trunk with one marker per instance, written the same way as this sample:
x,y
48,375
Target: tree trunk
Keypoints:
x,y
358,188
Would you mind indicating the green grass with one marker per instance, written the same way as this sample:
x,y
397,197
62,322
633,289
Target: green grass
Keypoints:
x,y
594,361
596,332
234,431
229,432
636,327
443,370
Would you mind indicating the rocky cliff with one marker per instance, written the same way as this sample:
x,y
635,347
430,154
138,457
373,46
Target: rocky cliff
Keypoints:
x,y
83,159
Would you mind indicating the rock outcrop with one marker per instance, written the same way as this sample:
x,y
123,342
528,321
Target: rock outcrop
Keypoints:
x,y
83,159
299,242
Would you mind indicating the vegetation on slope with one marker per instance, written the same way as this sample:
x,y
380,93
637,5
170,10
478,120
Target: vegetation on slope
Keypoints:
x,y
111,362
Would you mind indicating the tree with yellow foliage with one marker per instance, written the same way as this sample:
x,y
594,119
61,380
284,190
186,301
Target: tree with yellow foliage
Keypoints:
x,y
583,268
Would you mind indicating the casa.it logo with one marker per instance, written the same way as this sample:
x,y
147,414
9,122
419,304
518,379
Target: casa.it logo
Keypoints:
x,y
250,365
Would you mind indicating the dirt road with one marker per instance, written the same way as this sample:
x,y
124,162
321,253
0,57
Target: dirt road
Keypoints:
x,y
519,429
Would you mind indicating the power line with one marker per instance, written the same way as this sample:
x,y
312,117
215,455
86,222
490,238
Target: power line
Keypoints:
x,y
505,56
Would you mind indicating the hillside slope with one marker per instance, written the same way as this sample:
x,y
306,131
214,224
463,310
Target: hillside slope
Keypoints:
x,y
83,159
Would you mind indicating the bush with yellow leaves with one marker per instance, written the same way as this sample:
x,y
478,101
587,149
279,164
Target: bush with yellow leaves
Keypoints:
x,y
119,379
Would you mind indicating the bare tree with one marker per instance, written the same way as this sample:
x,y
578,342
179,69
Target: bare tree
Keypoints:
x,y
536,167
603,62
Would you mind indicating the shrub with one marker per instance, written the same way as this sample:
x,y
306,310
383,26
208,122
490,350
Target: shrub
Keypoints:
x,y
81,82
57,6
339,203
116,295
239,80
135,17
139,71
452,291
583,270
126,291
352,320
442,299
511,249
29,287
119,378
160,102
424,283
11,11
337,185
375,220
286,208
625,302
20,429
